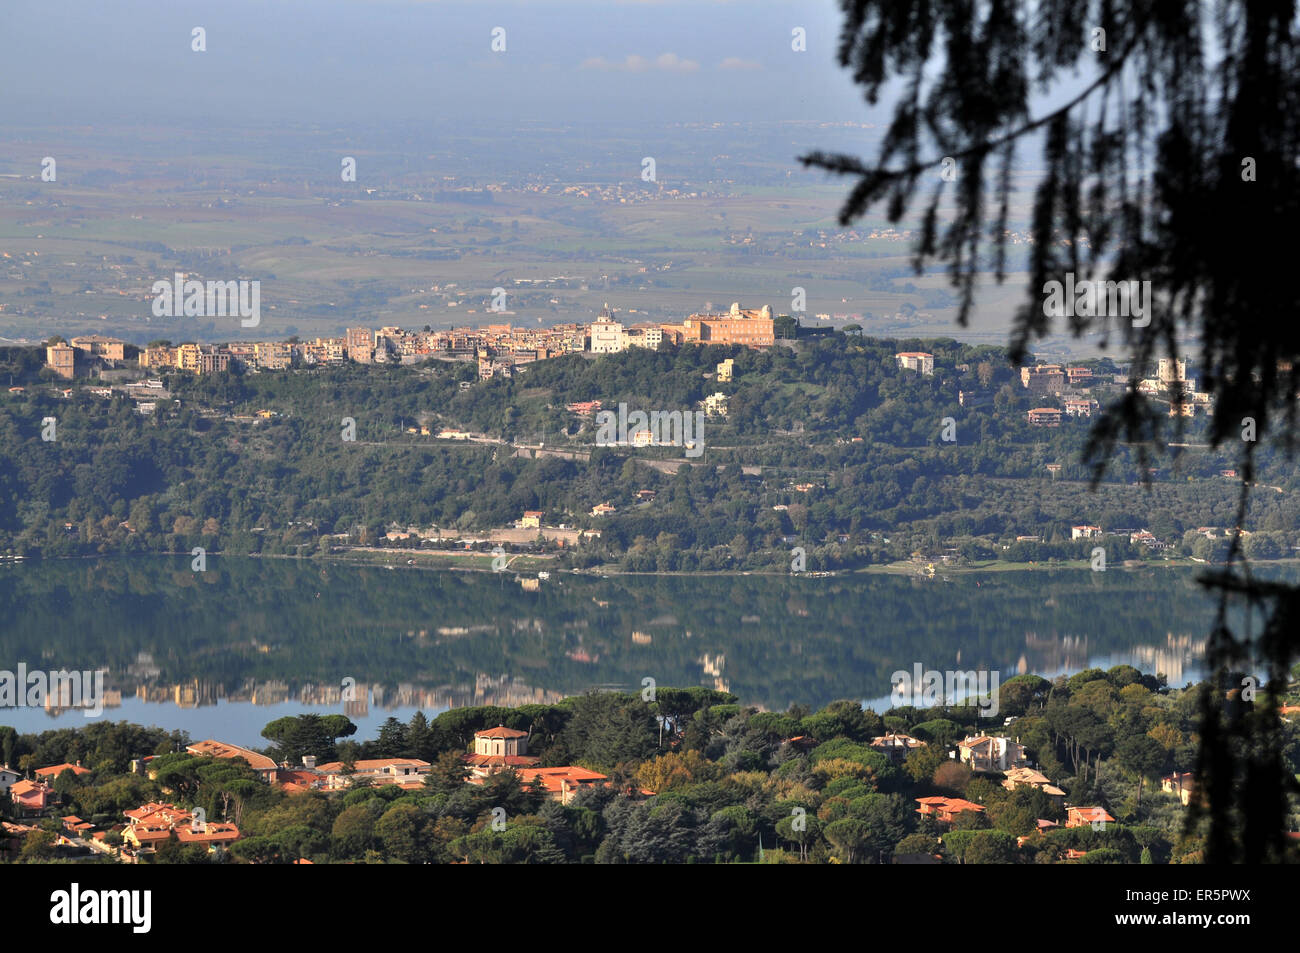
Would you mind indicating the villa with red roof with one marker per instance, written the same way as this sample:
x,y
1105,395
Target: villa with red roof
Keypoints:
x,y
561,784
946,809
31,797
260,763
1084,816
991,754
153,824
496,749
54,770
408,773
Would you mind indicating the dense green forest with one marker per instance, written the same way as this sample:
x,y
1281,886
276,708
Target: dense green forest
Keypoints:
x,y
728,783
828,445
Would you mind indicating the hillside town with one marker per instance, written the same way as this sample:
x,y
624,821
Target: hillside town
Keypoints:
x,y
498,348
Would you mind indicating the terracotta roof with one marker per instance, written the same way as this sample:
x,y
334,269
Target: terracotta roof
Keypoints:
x,y
501,760
26,787
211,833
1092,813
371,764
554,779
500,732
219,749
151,834
54,770
948,805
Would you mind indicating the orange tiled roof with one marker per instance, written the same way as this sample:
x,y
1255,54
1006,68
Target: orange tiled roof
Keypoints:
x,y
210,834
501,760
500,731
1092,814
371,764
554,779
219,749
54,770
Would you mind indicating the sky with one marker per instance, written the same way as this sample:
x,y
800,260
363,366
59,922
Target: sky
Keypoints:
x,y
83,61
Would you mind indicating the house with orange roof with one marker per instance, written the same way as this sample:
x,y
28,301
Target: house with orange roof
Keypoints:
x,y
75,825
499,748
1086,816
31,797
146,838
405,772
54,770
260,763
946,809
561,784
155,815
153,824
298,781
213,835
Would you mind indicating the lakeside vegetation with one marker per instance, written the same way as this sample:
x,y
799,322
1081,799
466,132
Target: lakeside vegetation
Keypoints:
x,y
729,783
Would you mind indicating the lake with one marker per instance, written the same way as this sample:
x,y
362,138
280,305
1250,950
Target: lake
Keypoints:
x,y
221,653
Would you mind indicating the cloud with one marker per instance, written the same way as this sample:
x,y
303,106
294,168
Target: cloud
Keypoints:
x,y
735,62
667,62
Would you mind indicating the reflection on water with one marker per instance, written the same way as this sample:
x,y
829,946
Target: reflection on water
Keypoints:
x,y
260,636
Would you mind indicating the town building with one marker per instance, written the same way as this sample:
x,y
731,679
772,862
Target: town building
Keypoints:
x,y
1170,370
1043,379
62,359
751,328
606,334
96,345
1044,417
361,345
916,361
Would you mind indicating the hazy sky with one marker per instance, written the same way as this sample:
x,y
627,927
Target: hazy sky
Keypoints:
x,y
76,61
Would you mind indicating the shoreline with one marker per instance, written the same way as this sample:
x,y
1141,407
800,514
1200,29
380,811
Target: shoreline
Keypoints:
x,y
530,563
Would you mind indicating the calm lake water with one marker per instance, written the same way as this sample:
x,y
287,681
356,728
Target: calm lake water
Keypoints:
x,y
223,652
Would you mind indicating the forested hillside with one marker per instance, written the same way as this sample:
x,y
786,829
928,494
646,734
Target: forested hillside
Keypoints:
x,y
829,444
